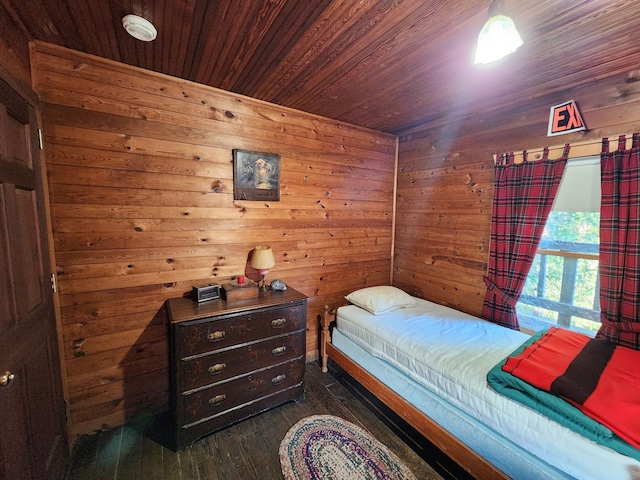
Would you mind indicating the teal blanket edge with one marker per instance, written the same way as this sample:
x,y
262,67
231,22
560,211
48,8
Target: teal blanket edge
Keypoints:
x,y
554,407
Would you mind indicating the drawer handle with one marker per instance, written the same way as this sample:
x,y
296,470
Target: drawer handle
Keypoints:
x,y
217,368
216,336
278,323
217,400
276,352
279,379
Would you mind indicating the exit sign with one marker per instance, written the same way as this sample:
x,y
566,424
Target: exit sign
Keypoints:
x,y
565,118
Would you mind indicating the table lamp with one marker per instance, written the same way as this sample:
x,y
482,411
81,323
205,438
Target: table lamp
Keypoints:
x,y
262,260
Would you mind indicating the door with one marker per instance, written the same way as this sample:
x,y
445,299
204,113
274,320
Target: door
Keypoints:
x,y
33,441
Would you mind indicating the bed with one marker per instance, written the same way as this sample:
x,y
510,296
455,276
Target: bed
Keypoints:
x,y
429,363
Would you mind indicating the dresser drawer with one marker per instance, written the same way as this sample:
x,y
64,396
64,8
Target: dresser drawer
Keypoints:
x,y
231,362
210,334
189,433
223,396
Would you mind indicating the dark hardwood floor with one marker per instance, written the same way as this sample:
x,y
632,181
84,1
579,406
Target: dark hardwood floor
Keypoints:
x,y
249,449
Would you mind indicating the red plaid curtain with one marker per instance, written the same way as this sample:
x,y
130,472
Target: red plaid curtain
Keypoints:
x,y
620,244
522,199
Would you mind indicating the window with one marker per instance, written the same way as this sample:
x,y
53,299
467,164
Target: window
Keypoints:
x,y
562,285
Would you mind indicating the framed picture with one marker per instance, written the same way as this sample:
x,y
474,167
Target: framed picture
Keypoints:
x,y
256,176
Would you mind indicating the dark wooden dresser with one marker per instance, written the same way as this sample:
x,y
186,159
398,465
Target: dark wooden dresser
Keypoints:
x,y
232,360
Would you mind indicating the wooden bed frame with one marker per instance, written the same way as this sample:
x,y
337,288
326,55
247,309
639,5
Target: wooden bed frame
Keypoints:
x,y
469,460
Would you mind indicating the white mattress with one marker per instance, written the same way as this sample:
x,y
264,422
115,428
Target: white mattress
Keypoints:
x,y
449,353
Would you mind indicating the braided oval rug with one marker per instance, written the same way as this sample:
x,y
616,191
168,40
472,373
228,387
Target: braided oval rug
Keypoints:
x,y
324,447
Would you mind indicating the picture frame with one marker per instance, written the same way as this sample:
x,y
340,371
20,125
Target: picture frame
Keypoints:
x,y
256,176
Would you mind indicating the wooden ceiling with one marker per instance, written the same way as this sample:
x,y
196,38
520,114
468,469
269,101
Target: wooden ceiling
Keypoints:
x,y
390,65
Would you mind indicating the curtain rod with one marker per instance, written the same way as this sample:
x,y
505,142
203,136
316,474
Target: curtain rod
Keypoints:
x,y
587,148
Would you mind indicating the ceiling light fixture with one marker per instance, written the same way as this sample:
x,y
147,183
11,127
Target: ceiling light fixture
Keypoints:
x,y
139,27
498,37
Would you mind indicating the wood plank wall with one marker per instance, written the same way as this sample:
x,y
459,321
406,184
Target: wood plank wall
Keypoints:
x,y
140,179
14,57
445,183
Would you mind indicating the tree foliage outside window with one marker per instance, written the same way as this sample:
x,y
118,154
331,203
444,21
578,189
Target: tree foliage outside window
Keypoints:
x,y
577,230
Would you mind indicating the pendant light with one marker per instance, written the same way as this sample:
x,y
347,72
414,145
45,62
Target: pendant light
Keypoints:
x,y
498,37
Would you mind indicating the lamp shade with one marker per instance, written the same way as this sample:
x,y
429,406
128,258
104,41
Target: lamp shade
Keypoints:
x,y
498,38
262,258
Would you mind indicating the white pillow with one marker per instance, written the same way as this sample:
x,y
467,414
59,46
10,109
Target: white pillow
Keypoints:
x,y
382,299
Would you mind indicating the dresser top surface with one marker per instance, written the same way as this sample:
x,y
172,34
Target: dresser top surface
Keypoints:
x,y
184,308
